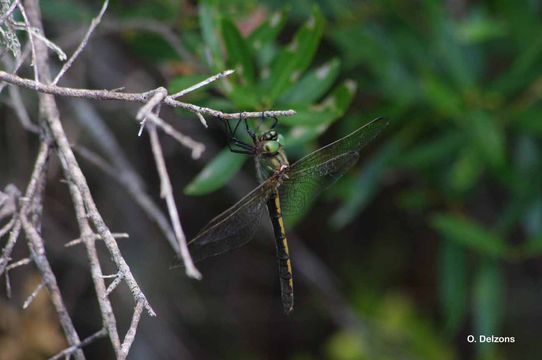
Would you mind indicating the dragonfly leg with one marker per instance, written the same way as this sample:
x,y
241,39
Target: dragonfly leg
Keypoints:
x,y
275,121
250,132
244,148
231,132
262,119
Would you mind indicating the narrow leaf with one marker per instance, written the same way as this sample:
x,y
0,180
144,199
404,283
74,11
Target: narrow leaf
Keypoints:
x,y
452,284
216,174
488,302
267,31
466,232
209,23
309,124
238,51
313,85
296,57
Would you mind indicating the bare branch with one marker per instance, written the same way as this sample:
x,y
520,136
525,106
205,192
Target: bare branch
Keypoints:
x,y
37,173
203,83
9,11
114,284
134,97
35,245
130,334
167,193
196,147
8,226
131,183
31,40
202,120
20,60
33,295
97,237
94,23
83,201
106,310
51,45
143,113
68,351
21,262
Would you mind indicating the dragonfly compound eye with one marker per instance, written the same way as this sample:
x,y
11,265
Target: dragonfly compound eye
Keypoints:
x,y
272,135
271,147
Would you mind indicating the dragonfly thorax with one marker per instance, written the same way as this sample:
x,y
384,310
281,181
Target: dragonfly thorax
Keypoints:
x,y
270,158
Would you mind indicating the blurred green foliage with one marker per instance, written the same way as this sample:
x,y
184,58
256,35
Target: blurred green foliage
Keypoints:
x,y
461,83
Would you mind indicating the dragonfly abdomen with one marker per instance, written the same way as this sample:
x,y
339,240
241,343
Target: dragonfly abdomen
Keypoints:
x,y
283,255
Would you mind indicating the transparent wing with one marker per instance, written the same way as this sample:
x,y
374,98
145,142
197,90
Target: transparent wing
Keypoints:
x,y
299,191
234,227
309,176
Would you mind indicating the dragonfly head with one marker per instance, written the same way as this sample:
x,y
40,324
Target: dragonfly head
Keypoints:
x,y
270,144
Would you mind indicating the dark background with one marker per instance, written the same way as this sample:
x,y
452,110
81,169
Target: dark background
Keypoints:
x,y
434,235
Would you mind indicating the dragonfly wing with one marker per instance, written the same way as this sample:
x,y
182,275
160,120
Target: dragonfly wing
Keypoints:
x,y
300,190
234,227
315,172
353,142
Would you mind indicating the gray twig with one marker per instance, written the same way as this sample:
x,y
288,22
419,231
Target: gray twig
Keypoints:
x,y
9,11
37,173
21,262
203,83
130,334
94,23
167,193
114,284
134,97
34,294
132,184
196,147
31,40
35,244
97,237
68,351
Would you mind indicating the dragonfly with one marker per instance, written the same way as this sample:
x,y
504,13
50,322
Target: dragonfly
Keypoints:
x,y
284,189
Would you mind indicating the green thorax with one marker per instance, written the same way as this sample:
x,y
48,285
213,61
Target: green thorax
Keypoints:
x,y
270,155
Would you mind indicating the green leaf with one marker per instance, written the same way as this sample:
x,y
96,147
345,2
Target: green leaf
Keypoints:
x,y
309,124
328,110
295,58
313,85
210,25
478,28
488,301
452,285
444,99
346,345
468,233
267,31
465,171
239,54
216,173
430,153
244,97
487,137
